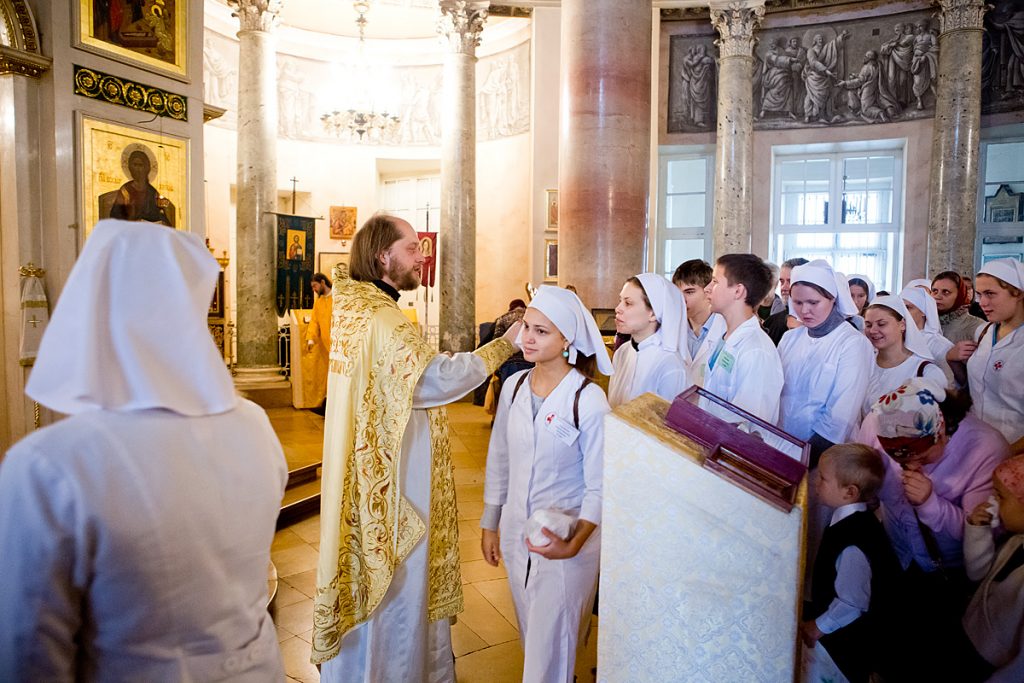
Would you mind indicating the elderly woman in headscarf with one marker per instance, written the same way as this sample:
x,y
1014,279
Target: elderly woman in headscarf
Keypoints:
x,y
901,349
925,314
542,496
652,312
135,534
940,461
950,292
826,362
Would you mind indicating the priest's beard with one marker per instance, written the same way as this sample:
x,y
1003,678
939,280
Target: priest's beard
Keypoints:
x,y
405,279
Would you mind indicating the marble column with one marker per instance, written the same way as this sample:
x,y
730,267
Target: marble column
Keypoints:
x,y
952,215
604,145
460,25
736,23
255,236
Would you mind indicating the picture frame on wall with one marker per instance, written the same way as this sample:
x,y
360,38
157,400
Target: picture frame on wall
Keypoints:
x,y
150,34
1004,206
343,222
552,209
550,260
217,301
132,174
327,260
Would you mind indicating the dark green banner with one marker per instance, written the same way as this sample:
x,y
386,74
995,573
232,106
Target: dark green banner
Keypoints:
x,y
295,252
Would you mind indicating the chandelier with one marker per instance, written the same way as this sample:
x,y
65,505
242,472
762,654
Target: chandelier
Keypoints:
x,y
364,123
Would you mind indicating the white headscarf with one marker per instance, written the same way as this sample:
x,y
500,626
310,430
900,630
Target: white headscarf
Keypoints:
x,y
670,309
566,312
820,273
871,285
129,331
914,340
919,282
926,304
1010,271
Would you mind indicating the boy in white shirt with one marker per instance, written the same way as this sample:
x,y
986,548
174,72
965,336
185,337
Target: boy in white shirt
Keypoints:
x,y
744,366
704,328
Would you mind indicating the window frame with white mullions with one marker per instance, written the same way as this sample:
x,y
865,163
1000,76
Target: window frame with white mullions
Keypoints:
x,y
999,239
850,247
697,231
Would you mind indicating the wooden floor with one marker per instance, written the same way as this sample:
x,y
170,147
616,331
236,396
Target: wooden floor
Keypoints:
x,y
485,638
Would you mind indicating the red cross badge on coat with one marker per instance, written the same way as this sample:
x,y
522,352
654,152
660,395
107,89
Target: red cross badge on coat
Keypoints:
x,y
998,365
549,418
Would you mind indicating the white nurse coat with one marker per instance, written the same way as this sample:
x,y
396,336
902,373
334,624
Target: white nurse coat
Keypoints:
x,y
543,462
648,368
826,381
712,332
747,373
995,373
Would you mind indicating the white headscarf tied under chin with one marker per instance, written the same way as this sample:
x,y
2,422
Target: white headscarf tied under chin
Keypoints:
x,y
914,339
669,308
129,331
566,312
820,273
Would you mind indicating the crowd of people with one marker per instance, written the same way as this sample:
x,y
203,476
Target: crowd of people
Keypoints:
x,y
135,535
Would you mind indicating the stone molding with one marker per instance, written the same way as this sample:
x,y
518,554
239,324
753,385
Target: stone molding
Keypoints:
x,y
462,22
962,15
736,23
256,15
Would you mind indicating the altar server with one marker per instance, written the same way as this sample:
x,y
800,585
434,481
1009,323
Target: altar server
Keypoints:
x,y
744,367
135,534
902,350
996,369
546,456
921,306
827,362
652,311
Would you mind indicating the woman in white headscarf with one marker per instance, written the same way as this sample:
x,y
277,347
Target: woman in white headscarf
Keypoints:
x,y
544,468
826,362
653,312
921,306
135,534
862,291
995,371
902,351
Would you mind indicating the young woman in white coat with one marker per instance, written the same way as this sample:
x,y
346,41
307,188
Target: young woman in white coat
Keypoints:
x,y
826,362
902,351
921,306
546,458
995,371
653,312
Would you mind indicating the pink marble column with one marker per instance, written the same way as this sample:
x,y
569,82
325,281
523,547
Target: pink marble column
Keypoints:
x,y
604,145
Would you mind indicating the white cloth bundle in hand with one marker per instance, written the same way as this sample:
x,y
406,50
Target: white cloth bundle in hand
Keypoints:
x,y
557,522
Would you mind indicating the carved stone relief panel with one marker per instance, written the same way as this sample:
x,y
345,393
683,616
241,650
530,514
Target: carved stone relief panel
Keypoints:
x,y
868,70
503,93
1002,58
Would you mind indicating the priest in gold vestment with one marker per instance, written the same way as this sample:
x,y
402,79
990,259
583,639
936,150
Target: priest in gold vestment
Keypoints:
x,y
388,578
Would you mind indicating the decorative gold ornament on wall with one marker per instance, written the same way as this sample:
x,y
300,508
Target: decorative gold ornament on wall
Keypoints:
x,y
132,94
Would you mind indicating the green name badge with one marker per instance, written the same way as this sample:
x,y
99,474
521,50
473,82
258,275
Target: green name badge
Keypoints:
x,y
727,360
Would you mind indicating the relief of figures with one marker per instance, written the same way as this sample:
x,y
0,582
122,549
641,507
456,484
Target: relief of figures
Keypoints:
x,y
871,70
1002,84
692,96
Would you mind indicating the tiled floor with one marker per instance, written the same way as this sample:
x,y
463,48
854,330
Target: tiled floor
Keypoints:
x,y
485,638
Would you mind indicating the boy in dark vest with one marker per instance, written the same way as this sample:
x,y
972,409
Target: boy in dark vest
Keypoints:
x,y
855,572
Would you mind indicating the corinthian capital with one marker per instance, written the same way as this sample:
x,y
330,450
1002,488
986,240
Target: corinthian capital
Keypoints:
x,y
461,22
959,15
736,22
256,15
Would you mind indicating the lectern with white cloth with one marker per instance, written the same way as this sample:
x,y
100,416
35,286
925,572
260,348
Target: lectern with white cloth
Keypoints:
x,y
702,545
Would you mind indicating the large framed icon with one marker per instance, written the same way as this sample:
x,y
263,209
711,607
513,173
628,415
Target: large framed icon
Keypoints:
x,y
131,173
151,34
